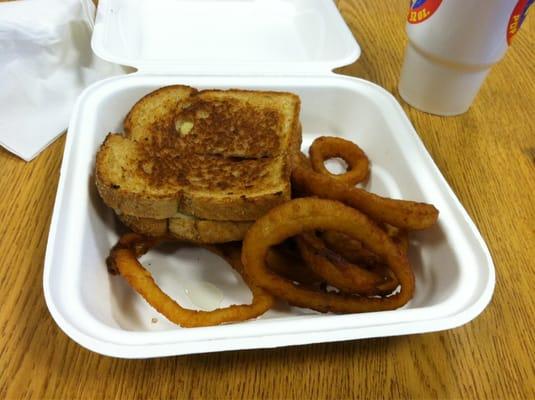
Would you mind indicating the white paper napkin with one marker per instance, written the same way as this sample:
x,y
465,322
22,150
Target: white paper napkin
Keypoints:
x,y
45,62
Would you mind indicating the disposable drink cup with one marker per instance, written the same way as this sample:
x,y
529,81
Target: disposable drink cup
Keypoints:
x,y
452,46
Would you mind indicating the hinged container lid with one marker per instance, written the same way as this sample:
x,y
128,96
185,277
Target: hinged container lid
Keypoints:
x,y
224,36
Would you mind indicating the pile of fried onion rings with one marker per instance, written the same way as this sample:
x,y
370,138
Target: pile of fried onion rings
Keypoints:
x,y
333,248
308,214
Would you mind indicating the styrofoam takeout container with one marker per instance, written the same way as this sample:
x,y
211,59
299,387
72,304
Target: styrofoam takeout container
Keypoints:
x,y
252,44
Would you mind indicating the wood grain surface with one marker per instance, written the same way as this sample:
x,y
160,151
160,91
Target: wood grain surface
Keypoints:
x,y
488,157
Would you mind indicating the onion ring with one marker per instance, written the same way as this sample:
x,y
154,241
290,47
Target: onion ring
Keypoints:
x,y
307,214
325,147
399,236
290,265
279,259
353,250
338,272
123,258
400,213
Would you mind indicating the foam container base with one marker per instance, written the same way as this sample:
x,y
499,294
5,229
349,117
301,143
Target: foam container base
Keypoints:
x,y
453,268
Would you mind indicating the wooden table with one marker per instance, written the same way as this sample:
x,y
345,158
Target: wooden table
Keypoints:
x,y
488,157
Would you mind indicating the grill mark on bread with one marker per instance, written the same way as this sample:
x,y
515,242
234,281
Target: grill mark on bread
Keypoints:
x,y
227,127
178,168
231,144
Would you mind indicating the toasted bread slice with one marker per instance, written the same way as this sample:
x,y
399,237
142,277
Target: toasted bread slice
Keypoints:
x,y
231,123
156,171
187,228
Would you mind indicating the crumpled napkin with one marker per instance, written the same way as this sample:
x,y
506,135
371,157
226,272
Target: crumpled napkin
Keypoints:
x,y
45,62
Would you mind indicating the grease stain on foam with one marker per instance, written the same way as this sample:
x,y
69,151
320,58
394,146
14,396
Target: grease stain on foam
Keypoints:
x,y
204,295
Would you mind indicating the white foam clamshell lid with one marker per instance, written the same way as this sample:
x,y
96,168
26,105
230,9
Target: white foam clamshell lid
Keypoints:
x,y
453,268
224,36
